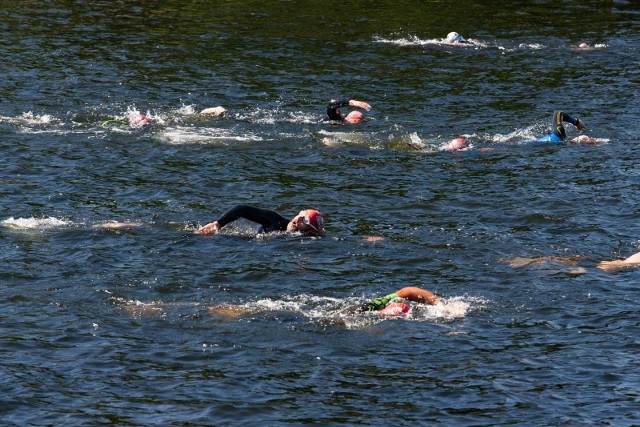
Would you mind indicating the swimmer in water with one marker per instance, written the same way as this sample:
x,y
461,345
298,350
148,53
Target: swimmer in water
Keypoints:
x,y
456,144
559,135
394,304
389,305
586,46
135,120
308,221
631,261
453,38
354,116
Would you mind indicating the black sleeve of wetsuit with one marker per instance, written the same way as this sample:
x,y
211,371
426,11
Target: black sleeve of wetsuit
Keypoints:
x,y
332,108
556,125
268,219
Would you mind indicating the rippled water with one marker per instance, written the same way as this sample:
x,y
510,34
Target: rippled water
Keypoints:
x,y
116,325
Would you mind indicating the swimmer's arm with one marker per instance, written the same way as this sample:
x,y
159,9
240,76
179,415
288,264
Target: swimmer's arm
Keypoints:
x,y
210,228
414,294
334,104
269,219
359,104
574,121
632,261
229,216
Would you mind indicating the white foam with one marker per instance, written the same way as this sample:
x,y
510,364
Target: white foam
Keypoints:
x,y
29,119
534,46
416,141
416,41
34,223
299,117
186,110
445,309
407,41
527,133
181,135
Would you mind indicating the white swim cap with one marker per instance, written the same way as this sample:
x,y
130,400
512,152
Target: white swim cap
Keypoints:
x,y
454,37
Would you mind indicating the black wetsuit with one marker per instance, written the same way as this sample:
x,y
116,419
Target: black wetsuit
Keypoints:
x,y
558,118
268,219
332,108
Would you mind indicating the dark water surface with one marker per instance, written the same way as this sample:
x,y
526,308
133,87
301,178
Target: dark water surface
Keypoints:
x,y
113,326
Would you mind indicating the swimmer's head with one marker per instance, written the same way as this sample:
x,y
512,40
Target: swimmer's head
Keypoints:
x,y
454,37
308,221
139,120
583,139
456,144
354,117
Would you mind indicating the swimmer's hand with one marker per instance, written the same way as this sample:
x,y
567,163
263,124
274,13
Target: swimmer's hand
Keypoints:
x,y
580,125
359,104
209,229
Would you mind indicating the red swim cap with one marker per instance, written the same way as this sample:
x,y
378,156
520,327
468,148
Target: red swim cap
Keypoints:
x,y
314,219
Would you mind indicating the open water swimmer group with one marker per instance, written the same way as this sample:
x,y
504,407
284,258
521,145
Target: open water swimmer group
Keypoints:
x,y
288,213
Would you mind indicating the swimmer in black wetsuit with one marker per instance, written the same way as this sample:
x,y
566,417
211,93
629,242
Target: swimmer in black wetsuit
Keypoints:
x,y
308,221
559,135
353,117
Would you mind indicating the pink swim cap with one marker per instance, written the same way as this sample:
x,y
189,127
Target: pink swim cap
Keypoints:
x,y
354,117
395,309
139,120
